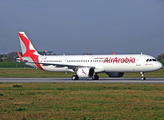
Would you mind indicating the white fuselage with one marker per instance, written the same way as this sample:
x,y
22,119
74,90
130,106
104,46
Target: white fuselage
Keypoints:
x,y
101,63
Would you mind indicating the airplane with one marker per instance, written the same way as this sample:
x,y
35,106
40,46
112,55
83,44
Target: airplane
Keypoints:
x,y
87,66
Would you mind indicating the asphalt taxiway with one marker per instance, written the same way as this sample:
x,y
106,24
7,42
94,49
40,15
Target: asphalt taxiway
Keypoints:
x,y
68,80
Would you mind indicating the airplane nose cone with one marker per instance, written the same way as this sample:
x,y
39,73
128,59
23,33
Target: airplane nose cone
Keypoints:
x,y
159,66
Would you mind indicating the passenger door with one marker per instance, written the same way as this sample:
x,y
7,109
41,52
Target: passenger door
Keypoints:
x,y
138,63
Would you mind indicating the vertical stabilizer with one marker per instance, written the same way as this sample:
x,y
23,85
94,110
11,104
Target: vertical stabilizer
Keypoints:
x,y
28,49
26,46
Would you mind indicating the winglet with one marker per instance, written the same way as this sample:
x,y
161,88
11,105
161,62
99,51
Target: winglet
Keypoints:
x,y
19,56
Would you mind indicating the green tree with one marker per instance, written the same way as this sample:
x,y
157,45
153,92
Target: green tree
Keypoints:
x,y
160,57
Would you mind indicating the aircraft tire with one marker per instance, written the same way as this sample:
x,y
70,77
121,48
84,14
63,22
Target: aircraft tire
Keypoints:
x,y
143,78
95,77
75,77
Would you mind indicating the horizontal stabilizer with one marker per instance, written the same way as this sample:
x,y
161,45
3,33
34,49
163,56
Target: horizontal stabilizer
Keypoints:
x,y
19,56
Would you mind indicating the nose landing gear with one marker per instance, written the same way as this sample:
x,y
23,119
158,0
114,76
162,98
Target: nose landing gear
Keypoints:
x,y
142,76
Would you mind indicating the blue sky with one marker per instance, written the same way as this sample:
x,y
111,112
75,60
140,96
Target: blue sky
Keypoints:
x,y
96,26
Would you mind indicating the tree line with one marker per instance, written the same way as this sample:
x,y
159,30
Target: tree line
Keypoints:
x,y
160,57
11,57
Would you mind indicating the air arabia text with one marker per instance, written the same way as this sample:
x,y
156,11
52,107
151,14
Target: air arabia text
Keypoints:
x,y
119,60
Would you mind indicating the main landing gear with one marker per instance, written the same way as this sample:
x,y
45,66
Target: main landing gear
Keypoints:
x,y
95,77
75,77
142,76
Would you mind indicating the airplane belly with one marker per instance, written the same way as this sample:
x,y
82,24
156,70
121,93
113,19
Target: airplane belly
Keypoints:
x,y
122,68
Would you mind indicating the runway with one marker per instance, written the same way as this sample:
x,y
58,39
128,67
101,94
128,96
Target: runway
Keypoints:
x,y
68,80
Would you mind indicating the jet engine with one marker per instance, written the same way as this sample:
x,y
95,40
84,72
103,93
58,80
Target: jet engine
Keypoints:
x,y
85,72
115,74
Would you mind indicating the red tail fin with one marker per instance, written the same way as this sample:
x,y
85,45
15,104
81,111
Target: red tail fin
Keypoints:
x,y
28,50
26,46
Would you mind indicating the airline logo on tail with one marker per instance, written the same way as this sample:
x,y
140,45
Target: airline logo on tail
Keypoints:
x,y
28,50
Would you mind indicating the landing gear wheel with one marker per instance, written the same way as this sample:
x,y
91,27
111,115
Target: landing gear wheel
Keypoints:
x,y
142,76
95,77
75,77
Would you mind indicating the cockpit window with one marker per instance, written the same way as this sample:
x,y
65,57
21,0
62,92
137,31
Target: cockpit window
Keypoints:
x,y
149,60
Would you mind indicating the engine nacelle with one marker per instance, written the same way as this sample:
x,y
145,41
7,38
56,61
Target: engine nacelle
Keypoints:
x,y
115,74
85,72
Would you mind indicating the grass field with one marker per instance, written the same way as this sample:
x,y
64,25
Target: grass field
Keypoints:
x,y
83,101
12,65
30,72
